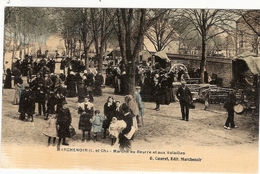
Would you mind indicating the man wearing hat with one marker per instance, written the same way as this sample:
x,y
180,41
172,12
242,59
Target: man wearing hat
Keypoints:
x,y
185,99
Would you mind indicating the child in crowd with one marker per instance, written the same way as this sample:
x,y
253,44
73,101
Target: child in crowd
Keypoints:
x,y
86,115
85,123
115,127
113,133
97,122
51,130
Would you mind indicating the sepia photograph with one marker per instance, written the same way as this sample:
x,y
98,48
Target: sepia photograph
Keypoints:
x,y
130,89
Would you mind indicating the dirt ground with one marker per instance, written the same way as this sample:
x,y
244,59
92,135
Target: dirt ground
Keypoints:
x,y
203,136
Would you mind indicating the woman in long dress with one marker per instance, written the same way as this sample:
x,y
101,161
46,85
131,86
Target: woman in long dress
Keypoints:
x,y
63,124
8,79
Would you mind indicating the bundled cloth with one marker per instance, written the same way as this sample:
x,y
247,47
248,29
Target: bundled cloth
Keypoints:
x,y
115,127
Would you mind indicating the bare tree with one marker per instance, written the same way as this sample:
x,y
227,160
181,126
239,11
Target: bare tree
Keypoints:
x,y
74,26
130,26
165,29
101,24
203,21
249,24
24,26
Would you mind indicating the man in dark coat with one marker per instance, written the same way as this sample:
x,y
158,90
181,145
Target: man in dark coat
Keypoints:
x,y
27,104
229,106
51,65
185,99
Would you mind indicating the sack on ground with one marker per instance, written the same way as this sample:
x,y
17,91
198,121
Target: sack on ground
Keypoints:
x,y
72,132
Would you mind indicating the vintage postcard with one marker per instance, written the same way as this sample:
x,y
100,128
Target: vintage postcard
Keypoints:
x,y
130,89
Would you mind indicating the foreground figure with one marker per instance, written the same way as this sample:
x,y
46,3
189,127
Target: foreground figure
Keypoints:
x,y
63,124
229,106
185,98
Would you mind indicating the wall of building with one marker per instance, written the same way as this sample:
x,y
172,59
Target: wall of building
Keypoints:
x,y
220,66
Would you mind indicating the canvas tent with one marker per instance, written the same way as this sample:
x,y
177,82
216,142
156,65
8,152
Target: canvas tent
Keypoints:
x,y
245,70
246,61
162,55
162,58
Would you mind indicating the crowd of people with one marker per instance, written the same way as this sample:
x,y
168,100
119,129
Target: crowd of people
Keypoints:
x,y
119,120
49,90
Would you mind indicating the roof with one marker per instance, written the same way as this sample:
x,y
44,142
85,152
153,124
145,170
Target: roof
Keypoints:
x,y
252,61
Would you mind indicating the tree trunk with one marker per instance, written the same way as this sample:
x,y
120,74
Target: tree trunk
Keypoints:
x,y
79,48
85,53
128,14
100,58
71,48
203,57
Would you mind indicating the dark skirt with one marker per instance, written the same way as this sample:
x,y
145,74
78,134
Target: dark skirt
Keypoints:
x,y
63,131
124,143
71,88
8,82
163,97
84,122
97,90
